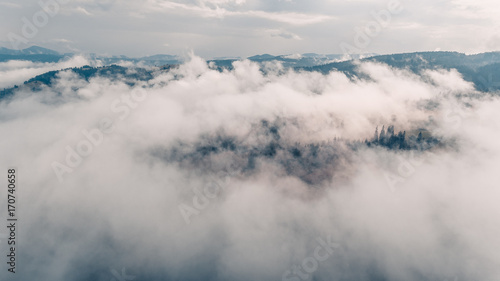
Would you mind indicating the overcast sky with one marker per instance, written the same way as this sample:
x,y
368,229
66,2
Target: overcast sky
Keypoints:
x,y
213,28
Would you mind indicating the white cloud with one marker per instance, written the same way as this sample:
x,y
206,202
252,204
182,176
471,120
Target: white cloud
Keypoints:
x,y
15,72
83,11
266,220
283,34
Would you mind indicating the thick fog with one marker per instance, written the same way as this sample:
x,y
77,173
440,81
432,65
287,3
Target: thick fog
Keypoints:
x,y
258,173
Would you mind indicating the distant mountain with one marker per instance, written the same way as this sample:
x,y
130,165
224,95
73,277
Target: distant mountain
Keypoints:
x,y
305,60
33,50
481,69
34,53
226,58
112,72
5,51
420,60
154,60
160,58
39,54
263,57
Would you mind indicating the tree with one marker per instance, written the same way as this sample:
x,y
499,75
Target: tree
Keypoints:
x,y
375,138
382,138
390,131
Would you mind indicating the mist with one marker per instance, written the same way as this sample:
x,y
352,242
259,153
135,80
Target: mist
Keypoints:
x,y
15,72
243,174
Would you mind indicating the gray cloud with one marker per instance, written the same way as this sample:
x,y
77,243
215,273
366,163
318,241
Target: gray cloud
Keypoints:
x,y
209,27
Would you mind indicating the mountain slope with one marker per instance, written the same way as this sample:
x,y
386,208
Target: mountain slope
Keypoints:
x,y
33,50
481,69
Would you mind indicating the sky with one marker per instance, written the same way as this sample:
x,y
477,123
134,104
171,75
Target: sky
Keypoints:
x,y
227,28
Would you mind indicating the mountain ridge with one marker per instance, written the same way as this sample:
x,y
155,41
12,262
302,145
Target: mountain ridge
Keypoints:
x,y
483,69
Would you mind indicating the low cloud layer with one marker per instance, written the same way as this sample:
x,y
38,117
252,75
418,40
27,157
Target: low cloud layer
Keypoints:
x,y
199,174
15,72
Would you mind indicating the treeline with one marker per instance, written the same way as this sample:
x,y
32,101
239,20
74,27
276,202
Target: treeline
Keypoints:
x,y
400,141
313,163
